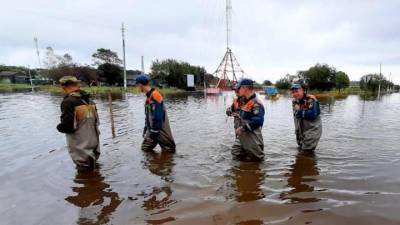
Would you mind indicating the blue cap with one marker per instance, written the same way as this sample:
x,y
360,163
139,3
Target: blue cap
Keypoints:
x,y
295,86
142,79
245,82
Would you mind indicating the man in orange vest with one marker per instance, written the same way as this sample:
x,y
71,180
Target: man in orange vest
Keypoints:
x,y
157,129
307,119
249,144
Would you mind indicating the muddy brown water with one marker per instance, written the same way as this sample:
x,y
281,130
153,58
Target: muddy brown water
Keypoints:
x,y
352,179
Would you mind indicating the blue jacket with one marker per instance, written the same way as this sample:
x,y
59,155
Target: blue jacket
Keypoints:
x,y
309,109
252,113
155,112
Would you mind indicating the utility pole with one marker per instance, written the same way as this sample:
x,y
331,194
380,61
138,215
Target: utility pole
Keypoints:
x,y
37,51
228,23
30,75
142,66
123,52
380,78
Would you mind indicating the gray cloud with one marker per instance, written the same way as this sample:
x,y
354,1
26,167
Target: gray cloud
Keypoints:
x,y
270,38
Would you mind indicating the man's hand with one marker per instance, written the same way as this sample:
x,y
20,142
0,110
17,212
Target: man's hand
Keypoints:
x,y
239,131
296,107
229,111
235,114
312,97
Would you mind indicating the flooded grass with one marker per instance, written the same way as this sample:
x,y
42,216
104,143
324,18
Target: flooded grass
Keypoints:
x,y
97,90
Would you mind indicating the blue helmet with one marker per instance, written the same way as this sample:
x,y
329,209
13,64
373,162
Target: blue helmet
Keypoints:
x,y
295,86
245,82
142,79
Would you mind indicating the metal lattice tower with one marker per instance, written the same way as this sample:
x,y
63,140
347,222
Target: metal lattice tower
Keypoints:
x,y
229,69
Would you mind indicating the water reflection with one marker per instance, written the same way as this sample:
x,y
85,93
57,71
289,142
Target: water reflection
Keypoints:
x,y
160,198
251,222
160,164
302,172
94,197
247,180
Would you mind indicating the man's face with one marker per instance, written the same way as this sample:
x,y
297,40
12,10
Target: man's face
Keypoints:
x,y
139,87
70,88
241,91
244,91
65,89
298,93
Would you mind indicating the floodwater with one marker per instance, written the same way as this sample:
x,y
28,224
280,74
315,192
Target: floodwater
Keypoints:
x,y
352,179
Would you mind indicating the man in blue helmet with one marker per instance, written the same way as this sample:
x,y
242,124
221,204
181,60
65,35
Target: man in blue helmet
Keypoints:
x,y
157,129
307,120
249,144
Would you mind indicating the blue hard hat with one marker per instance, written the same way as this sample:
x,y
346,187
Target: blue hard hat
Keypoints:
x,y
245,82
295,86
142,79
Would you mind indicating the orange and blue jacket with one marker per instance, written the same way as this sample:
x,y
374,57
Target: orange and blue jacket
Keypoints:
x,y
252,113
309,108
155,111
236,103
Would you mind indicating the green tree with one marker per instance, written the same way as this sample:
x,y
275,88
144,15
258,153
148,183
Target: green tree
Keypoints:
x,y
320,77
370,82
173,73
102,56
283,83
110,73
342,80
267,83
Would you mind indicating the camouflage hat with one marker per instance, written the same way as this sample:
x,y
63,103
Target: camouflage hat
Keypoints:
x,y
68,79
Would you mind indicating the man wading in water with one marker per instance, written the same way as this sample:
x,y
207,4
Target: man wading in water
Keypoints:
x,y
157,129
307,121
79,121
249,144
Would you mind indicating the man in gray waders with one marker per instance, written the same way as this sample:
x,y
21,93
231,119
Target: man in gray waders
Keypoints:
x,y
307,120
79,121
157,129
249,144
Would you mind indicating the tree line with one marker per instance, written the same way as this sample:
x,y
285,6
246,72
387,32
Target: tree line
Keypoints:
x,y
323,77
107,68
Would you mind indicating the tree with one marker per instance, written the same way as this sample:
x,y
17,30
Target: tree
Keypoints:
x,y
86,74
342,81
173,73
370,82
102,56
320,77
283,83
52,59
267,83
57,65
110,73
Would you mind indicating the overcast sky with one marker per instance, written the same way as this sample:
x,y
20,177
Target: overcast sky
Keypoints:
x,y
270,38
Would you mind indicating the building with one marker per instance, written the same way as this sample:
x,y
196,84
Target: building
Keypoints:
x,y
131,76
12,77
